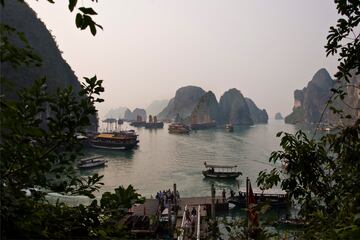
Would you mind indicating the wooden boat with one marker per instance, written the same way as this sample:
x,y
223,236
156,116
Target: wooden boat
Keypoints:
x,y
179,128
221,171
229,127
123,140
138,124
274,199
154,125
91,162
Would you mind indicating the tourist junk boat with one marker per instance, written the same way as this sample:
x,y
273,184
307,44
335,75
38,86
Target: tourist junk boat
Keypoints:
x,y
123,140
153,123
221,171
179,128
91,162
229,127
275,198
139,122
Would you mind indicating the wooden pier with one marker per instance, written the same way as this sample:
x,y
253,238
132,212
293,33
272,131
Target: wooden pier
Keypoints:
x,y
175,215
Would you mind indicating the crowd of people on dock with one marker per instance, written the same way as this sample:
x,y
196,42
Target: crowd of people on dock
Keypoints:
x,y
167,197
190,221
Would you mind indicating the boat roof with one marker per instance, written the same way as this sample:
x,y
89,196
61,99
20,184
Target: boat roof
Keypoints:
x,y
113,136
271,191
219,166
91,158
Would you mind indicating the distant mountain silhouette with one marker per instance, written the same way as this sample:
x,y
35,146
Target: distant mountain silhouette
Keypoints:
x,y
156,106
278,116
116,113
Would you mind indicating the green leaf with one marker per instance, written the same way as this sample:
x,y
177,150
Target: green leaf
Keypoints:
x,y
92,29
88,11
72,4
79,20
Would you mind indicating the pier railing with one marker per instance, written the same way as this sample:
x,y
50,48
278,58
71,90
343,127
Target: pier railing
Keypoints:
x,y
198,229
182,230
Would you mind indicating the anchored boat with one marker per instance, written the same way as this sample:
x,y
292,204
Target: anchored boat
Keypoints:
x,y
221,171
91,162
275,198
179,128
123,140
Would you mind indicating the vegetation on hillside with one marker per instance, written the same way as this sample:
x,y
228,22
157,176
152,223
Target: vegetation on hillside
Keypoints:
x,y
39,148
323,174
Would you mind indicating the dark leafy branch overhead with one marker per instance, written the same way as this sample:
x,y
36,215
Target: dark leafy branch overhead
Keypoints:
x,y
344,39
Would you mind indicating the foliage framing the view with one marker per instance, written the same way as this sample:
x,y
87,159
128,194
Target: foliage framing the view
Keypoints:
x,y
322,175
38,151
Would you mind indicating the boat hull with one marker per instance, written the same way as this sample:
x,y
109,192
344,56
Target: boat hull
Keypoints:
x,y
113,146
221,175
154,125
100,163
280,202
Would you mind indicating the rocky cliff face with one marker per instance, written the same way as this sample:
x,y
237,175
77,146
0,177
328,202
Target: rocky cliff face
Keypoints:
x,y
256,114
58,73
206,110
139,112
183,103
310,102
234,108
18,15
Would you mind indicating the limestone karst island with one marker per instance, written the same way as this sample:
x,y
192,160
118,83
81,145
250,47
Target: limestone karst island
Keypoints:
x,y
179,119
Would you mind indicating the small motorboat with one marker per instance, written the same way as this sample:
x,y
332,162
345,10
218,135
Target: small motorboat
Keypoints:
x,y
91,162
229,127
221,171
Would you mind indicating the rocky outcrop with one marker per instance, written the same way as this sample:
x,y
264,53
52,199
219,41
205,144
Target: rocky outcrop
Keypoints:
x,y
140,114
156,107
183,103
206,110
278,116
234,108
18,15
309,103
128,115
58,73
256,114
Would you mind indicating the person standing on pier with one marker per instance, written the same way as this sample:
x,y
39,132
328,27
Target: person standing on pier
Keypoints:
x,y
223,195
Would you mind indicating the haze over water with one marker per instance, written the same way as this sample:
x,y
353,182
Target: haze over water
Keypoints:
x,y
163,159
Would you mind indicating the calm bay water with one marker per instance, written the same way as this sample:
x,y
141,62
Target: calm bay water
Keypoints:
x,y
163,159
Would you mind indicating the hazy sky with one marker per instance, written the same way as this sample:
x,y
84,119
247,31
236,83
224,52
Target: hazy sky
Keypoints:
x,y
150,48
